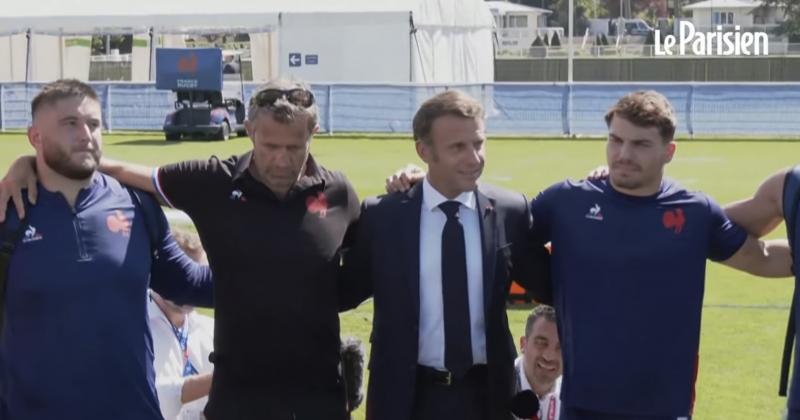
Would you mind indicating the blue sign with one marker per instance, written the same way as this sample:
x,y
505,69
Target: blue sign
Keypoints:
x,y
295,60
312,59
189,68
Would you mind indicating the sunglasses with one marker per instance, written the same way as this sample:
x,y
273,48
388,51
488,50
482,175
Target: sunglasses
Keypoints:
x,y
297,96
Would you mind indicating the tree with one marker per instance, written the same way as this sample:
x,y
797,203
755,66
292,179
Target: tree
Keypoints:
x,y
584,10
790,27
123,43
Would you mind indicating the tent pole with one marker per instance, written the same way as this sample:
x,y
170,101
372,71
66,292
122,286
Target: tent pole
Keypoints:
x,y
61,54
410,46
28,56
151,33
419,51
11,56
571,47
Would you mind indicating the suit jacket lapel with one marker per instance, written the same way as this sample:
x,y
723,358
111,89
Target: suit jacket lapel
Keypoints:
x,y
410,217
488,221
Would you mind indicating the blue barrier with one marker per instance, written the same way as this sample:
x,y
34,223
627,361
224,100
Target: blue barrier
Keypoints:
x,y
521,109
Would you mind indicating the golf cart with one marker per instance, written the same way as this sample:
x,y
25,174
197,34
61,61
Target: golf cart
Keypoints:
x,y
201,111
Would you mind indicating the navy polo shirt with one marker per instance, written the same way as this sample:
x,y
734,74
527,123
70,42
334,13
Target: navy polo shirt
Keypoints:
x,y
628,278
76,343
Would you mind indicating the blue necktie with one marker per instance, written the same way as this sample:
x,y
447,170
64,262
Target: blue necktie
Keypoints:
x,y
457,340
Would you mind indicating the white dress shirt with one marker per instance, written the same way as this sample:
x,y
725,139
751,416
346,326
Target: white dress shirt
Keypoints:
x,y
168,361
550,403
431,313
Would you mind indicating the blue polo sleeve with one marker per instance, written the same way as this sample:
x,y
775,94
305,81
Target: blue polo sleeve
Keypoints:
x,y
541,210
173,274
725,237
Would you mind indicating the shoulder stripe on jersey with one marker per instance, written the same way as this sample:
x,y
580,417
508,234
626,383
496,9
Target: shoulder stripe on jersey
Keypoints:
x,y
157,184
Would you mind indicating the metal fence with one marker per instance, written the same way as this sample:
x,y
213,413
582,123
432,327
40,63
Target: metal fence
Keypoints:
x,y
519,109
629,50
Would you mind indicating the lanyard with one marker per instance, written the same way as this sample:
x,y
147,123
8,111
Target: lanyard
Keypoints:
x,y
182,335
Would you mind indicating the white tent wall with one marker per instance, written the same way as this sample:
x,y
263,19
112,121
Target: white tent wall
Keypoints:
x,y
75,60
263,53
140,58
364,47
45,57
13,49
448,56
52,57
453,41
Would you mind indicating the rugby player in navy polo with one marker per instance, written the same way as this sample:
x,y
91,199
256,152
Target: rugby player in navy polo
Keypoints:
x,y
273,223
637,243
76,342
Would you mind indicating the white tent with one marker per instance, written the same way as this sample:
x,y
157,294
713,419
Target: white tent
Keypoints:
x,y
434,41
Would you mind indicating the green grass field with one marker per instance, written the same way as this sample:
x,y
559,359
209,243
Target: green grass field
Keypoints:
x,y
744,319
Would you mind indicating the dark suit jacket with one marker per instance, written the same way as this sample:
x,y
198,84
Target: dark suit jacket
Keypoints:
x,y
384,262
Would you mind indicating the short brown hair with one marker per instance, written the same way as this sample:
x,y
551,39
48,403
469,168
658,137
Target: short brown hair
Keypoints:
x,y
61,89
282,110
450,102
540,311
646,108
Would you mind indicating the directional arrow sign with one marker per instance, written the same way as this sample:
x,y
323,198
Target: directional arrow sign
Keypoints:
x,y
295,60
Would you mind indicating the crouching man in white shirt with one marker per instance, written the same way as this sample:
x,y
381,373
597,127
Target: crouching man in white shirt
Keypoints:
x,y
182,341
539,366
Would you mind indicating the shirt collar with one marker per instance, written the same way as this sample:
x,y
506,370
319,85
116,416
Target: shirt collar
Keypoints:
x,y
241,165
431,198
312,176
523,380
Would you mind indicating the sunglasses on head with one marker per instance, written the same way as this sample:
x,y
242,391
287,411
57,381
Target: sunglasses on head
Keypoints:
x,y
297,96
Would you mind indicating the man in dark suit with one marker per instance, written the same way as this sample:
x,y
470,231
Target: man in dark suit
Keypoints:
x,y
439,260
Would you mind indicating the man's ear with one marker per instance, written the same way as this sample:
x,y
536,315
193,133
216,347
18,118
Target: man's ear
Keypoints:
x,y
522,344
424,151
34,137
671,148
251,129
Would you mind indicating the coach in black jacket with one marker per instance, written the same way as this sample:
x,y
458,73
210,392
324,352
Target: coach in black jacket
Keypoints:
x,y
439,260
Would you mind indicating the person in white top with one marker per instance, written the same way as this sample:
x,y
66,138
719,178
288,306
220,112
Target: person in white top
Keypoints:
x,y
539,366
182,341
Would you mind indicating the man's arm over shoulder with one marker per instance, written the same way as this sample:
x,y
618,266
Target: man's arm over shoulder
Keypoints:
x,y
11,226
731,245
356,283
771,258
176,184
761,213
542,209
173,274
350,293
530,259
184,185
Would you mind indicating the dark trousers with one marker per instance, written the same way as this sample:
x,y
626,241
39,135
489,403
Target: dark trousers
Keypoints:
x,y
261,405
465,399
570,413
792,414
